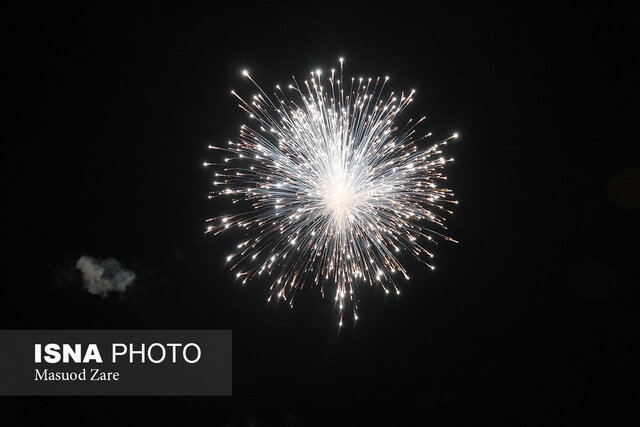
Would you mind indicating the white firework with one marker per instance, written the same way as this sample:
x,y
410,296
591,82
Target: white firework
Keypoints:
x,y
329,191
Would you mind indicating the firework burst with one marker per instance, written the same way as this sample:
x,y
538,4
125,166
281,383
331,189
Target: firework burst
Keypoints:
x,y
330,191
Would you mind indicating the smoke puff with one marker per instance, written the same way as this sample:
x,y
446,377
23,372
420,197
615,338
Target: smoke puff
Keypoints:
x,y
103,276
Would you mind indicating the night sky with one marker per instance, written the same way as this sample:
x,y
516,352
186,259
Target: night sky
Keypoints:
x,y
531,319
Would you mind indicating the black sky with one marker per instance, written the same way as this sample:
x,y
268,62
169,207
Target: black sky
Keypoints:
x,y
530,320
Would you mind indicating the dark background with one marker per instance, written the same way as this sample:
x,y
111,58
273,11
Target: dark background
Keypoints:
x,y
530,320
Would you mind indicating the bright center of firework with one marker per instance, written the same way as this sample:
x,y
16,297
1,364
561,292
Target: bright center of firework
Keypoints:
x,y
339,197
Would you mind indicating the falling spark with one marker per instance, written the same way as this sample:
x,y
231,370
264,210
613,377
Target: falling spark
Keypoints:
x,y
334,191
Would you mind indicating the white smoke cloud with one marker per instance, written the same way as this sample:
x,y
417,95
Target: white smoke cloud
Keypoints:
x,y
103,276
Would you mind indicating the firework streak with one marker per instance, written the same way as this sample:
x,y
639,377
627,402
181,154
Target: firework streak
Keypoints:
x,y
329,191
